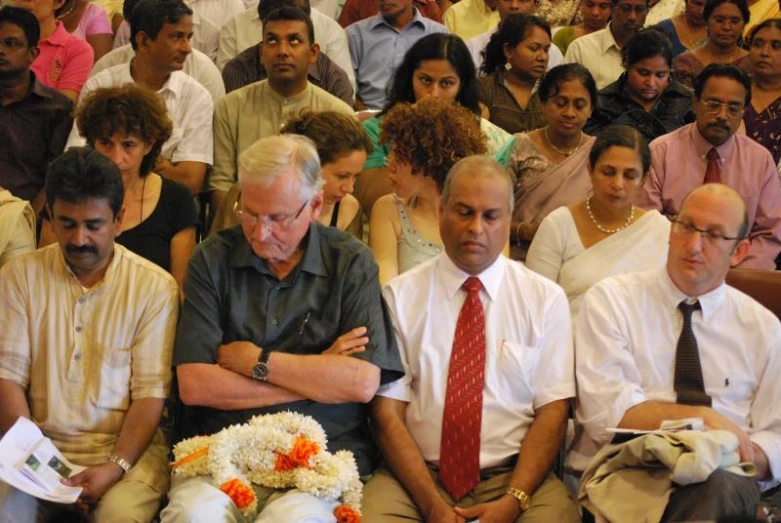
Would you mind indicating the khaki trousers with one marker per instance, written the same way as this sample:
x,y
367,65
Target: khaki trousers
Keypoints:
x,y
385,500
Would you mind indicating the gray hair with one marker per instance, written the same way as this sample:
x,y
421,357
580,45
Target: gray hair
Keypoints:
x,y
480,164
263,162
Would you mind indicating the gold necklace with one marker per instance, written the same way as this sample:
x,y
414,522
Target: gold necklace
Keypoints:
x,y
689,42
564,153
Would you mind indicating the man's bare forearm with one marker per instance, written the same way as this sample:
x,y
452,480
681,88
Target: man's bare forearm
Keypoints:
x,y
650,414
139,427
13,403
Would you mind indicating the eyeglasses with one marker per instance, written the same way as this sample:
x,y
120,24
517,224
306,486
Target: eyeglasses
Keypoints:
x,y
271,222
711,237
12,43
714,107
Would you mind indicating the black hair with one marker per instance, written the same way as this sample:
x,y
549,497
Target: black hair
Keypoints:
x,y
127,9
290,13
620,136
710,5
23,19
770,22
437,46
149,16
80,174
512,31
551,83
646,43
722,71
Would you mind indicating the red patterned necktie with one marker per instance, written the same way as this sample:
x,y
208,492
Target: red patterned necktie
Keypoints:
x,y
459,450
712,171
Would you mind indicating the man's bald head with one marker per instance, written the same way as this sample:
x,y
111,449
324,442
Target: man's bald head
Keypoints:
x,y
479,165
729,194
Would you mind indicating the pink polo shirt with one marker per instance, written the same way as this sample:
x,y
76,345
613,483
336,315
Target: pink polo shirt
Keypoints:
x,y
65,60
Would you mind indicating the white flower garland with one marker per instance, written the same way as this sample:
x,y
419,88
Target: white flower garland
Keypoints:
x,y
283,450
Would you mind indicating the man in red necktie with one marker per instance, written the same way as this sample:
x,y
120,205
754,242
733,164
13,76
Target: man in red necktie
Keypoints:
x,y
472,430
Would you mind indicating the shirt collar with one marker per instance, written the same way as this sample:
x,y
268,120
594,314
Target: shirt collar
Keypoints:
x,y
311,260
38,88
673,296
378,20
702,146
606,39
108,276
296,98
453,278
59,37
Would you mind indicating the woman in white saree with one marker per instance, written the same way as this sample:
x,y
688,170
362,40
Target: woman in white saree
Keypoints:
x,y
578,245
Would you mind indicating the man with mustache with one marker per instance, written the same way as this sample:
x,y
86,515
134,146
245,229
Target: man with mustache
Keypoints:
x,y
600,51
160,33
472,430
260,109
85,349
679,343
709,150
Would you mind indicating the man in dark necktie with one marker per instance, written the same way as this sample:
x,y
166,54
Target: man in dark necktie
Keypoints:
x,y
711,150
679,343
472,430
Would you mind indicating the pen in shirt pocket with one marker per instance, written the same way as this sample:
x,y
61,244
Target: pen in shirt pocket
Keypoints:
x,y
303,324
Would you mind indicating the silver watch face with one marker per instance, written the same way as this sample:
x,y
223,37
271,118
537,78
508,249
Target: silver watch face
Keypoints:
x,y
260,371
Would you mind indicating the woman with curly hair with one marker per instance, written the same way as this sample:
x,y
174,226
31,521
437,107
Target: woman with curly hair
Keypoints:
x,y
427,139
158,217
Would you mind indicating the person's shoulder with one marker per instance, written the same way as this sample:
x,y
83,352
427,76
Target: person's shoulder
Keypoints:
x,y
666,140
189,85
217,248
521,279
56,101
626,288
328,102
411,285
153,276
361,26
755,148
749,310
109,76
175,190
120,55
336,244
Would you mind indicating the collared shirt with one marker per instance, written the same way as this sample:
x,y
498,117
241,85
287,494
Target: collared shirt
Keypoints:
x,y
246,69
672,110
626,337
231,295
477,45
469,18
529,356
254,112
197,65
246,30
33,132
678,164
599,53
189,105
218,12
356,10
17,227
84,355
377,48
64,60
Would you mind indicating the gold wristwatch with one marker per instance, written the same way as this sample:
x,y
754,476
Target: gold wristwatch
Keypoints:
x,y
523,498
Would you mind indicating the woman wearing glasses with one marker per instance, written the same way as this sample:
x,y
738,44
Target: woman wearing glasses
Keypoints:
x,y
578,245
763,114
725,20
130,125
427,139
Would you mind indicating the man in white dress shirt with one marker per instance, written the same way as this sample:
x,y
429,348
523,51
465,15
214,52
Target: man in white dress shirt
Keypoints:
x,y
634,332
473,428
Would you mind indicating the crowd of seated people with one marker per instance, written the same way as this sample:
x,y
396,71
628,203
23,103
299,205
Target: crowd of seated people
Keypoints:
x,y
445,266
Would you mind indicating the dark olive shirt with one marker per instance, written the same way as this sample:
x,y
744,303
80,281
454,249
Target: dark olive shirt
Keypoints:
x,y
232,295
246,69
33,132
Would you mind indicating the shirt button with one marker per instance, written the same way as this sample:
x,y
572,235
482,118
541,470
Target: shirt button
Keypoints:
x,y
78,328
82,299
275,322
77,356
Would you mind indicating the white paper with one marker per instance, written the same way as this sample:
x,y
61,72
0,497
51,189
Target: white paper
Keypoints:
x,y
30,462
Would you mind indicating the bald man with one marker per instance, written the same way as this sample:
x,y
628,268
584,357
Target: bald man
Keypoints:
x,y
679,343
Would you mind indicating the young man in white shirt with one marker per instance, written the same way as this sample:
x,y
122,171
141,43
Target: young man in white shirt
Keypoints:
x,y
473,428
631,341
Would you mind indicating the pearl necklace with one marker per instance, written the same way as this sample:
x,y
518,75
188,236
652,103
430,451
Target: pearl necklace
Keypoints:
x,y
603,229
564,153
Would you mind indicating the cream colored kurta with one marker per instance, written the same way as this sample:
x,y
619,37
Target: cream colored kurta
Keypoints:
x,y
17,227
83,355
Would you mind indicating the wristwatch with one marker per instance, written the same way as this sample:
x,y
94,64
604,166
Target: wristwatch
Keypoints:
x,y
120,462
260,369
523,498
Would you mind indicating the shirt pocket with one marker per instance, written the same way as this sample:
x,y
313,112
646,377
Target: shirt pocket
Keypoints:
x,y
114,387
515,369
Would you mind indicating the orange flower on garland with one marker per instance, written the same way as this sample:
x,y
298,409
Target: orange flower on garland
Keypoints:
x,y
303,449
242,495
346,514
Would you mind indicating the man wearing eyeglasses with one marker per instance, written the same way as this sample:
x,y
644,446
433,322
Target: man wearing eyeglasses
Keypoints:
x,y
281,313
710,150
679,343
34,119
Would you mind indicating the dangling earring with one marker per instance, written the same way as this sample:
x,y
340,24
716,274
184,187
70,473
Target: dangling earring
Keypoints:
x,y
507,66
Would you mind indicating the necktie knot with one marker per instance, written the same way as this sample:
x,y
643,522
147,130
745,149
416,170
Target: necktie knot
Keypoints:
x,y
472,285
713,155
688,308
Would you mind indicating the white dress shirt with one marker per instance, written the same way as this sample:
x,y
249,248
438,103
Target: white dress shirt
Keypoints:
x,y
477,44
197,65
189,105
529,357
599,53
626,337
218,12
246,30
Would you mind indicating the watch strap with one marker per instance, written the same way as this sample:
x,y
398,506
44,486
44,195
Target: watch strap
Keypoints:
x,y
523,498
120,462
